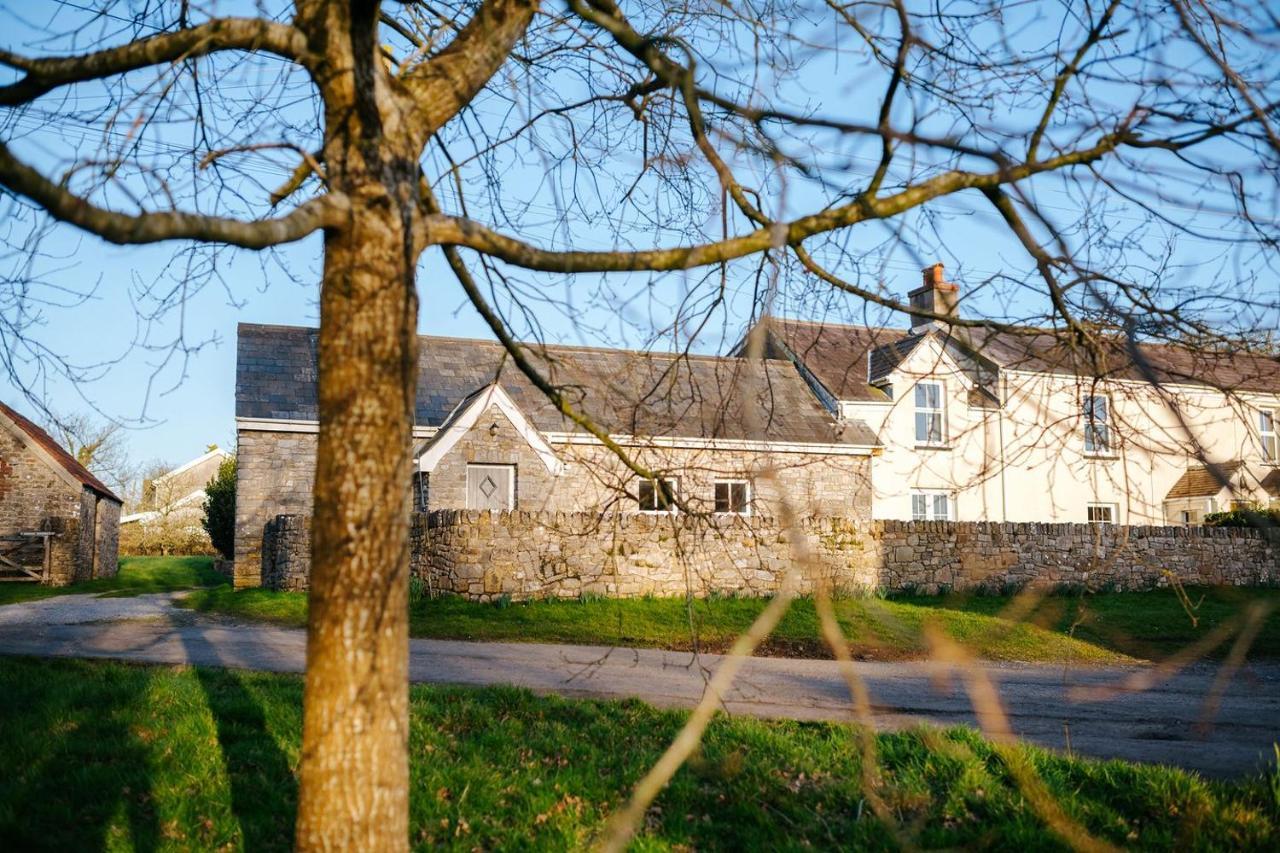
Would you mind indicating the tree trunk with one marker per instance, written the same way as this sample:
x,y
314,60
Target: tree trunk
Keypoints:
x,y
354,791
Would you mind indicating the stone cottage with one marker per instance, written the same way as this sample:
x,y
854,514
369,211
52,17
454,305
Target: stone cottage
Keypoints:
x,y
724,435
43,489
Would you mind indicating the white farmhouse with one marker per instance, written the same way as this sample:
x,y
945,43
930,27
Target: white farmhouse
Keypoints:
x,y
1018,425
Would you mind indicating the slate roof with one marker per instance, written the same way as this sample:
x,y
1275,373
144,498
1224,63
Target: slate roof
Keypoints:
x,y
837,355
60,456
885,357
1199,482
626,392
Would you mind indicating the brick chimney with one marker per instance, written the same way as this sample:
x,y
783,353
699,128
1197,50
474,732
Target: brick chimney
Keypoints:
x,y
934,296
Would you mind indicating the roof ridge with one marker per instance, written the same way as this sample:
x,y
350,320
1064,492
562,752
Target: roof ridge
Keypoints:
x,y
535,345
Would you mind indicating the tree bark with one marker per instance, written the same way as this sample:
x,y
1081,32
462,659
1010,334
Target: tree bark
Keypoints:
x,y
354,777
354,785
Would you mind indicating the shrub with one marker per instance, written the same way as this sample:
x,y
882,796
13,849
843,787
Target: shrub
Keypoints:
x,y
179,532
418,589
220,508
1244,518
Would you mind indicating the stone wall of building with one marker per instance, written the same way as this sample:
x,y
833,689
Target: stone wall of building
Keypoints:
x,y
484,556
274,476
276,471
106,560
34,497
286,552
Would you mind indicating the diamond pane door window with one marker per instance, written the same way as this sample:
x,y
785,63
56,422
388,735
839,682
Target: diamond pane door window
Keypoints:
x,y
491,487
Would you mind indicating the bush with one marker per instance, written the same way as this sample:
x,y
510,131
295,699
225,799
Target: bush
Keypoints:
x,y
179,532
220,508
1244,518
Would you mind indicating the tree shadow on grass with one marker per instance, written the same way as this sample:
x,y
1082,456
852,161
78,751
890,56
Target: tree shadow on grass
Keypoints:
x,y
264,789
74,770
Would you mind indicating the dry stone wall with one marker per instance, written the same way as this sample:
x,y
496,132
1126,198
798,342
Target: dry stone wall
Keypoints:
x,y
274,475
520,555
276,471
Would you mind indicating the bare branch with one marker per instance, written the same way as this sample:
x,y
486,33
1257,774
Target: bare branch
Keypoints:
x,y
251,34
1065,75
325,212
464,232
447,82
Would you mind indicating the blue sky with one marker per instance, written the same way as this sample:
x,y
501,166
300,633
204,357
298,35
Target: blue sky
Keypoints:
x,y
175,406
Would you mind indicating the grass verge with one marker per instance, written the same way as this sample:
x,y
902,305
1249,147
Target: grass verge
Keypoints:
x,y
1094,629
137,575
104,755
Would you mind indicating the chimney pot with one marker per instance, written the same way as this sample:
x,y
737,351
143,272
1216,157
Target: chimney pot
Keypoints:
x,y
935,295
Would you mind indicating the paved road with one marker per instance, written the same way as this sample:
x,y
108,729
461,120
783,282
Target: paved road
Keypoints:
x,y
1163,722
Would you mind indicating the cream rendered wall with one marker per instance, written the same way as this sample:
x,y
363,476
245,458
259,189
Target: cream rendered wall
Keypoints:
x,y
1046,475
965,468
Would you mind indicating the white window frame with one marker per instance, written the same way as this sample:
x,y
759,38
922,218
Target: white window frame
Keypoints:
x,y
929,502
675,492
1113,512
747,509
939,412
1268,439
1094,427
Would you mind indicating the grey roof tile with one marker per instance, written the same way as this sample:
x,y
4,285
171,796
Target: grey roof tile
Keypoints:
x,y
837,355
626,392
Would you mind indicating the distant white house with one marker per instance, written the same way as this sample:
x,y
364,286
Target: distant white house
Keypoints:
x,y
178,493
1018,426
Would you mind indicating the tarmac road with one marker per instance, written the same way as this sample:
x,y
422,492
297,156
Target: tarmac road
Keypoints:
x,y
1133,713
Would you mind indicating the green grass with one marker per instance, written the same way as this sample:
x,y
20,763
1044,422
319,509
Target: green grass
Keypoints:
x,y
1149,625
137,575
1094,629
102,755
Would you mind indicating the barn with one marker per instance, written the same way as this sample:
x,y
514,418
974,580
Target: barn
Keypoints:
x,y
58,522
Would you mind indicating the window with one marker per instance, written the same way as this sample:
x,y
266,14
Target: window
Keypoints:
x,y
1097,424
1186,516
1267,433
1102,513
929,413
491,487
650,497
421,491
733,497
930,506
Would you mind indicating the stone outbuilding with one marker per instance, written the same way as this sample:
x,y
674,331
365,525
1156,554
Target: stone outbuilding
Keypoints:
x,y
58,522
726,436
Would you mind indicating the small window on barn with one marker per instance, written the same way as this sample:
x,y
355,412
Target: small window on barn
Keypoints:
x,y
421,479
733,497
651,498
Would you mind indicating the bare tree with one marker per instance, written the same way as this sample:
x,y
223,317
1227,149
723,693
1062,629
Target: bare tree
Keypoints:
x,y
99,445
654,138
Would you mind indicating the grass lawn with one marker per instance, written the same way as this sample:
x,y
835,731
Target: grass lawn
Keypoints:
x,y
103,755
1098,628
136,576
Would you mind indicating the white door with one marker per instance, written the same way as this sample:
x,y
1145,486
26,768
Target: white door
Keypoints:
x,y
491,487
